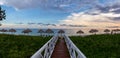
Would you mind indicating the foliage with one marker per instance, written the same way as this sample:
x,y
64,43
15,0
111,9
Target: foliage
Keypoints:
x,y
2,14
20,46
99,46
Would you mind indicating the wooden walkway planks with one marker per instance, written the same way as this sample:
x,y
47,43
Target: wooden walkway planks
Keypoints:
x,y
60,50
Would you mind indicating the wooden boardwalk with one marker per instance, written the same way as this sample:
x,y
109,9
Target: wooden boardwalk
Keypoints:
x,y
60,50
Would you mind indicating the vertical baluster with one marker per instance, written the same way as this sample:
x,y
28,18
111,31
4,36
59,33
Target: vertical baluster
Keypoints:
x,y
40,56
73,49
47,49
45,52
74,54
79,56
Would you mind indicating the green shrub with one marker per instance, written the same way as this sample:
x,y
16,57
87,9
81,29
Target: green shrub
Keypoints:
x,y
99,46
20,46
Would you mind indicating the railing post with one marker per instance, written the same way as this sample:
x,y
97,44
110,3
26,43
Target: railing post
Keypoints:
x,y
47,49
73,50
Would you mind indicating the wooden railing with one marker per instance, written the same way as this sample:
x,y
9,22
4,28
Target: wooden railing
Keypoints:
x,y
47,49
73,50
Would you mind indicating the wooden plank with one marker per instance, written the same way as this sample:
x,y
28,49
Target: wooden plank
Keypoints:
x,y
60,50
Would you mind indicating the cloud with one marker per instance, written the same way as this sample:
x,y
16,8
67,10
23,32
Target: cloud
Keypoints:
x,y
41,24
70,25
113,26
115,18
20,23
98,19
2,2
107,14
109,8
110,11
102,14
62,5
69,5
31,23
18,4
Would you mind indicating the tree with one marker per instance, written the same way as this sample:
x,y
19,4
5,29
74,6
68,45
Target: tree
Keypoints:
x,y
93,31
2,14
107,31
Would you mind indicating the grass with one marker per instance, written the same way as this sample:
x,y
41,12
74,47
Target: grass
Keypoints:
x,y
14,46
99,46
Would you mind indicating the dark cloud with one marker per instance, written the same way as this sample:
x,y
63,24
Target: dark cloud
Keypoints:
x,y
19,23
113,26
49,24
53,24
102,9
69,5
99,20
106,9
77,25
42,24
94,14
63,25
63,5
39,23
117,11
116,18
31,23
114,8
69,25
91,13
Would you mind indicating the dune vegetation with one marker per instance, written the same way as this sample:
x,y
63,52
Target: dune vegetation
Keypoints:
x,y
99,46
20,46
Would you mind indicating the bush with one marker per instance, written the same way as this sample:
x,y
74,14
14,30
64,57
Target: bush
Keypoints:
x,y
13,46
99,46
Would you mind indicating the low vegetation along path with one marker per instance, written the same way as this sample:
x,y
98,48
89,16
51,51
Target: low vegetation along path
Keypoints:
x,y
60,50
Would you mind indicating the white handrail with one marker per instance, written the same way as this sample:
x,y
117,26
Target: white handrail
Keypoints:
x,y
73,50
47,50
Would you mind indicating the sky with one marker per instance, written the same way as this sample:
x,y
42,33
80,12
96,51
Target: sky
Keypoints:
x,y
61,13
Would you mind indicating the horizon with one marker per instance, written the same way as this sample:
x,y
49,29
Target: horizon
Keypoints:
x,y
61,14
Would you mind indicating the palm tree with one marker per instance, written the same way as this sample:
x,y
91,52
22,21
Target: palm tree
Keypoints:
x,y
93,31
40,31
80,32
107,31
49,31
12,30
26,31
